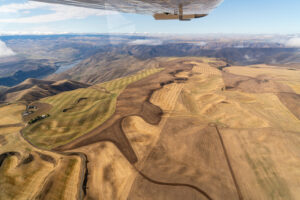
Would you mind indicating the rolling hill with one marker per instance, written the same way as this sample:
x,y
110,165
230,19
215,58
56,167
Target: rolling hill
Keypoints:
x,y
34,89
148,122
190,129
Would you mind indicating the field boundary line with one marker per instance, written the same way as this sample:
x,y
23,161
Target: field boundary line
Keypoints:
x,y
202,192
229,164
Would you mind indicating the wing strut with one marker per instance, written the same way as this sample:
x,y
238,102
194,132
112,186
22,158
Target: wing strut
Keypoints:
x,y
180,16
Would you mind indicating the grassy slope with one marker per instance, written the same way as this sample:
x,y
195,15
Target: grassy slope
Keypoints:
x,y
85,109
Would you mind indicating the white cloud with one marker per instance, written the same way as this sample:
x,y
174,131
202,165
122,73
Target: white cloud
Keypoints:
x,y
146,42
248,58
5,51
17,7
294,42
202,44
58,12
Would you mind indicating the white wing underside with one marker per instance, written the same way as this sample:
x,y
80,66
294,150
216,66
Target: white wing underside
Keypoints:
x,y
150,7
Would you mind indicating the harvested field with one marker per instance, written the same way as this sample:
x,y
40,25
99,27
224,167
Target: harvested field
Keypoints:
x,y
259,84
203,101
110,174
11,114
272,72
295,85
194,128
24,171
61,184
181,154
134,100
205,68
185,157
265,161
291,101
78,112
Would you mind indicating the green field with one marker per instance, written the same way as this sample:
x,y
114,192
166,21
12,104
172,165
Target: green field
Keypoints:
x,y
77,112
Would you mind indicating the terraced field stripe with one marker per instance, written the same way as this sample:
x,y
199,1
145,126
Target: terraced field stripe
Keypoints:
x,y
52,100
68,101
64,99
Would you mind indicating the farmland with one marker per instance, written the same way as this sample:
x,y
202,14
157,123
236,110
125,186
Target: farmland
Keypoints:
x,y
194,128
25,169
77,112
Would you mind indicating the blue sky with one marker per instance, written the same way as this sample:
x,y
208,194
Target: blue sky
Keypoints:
x,y
232,16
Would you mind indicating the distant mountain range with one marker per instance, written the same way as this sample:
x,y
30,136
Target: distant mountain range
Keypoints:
x,y
103,67
126,60
16,71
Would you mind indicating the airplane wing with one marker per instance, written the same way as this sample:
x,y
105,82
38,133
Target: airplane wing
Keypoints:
x,y
160,9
